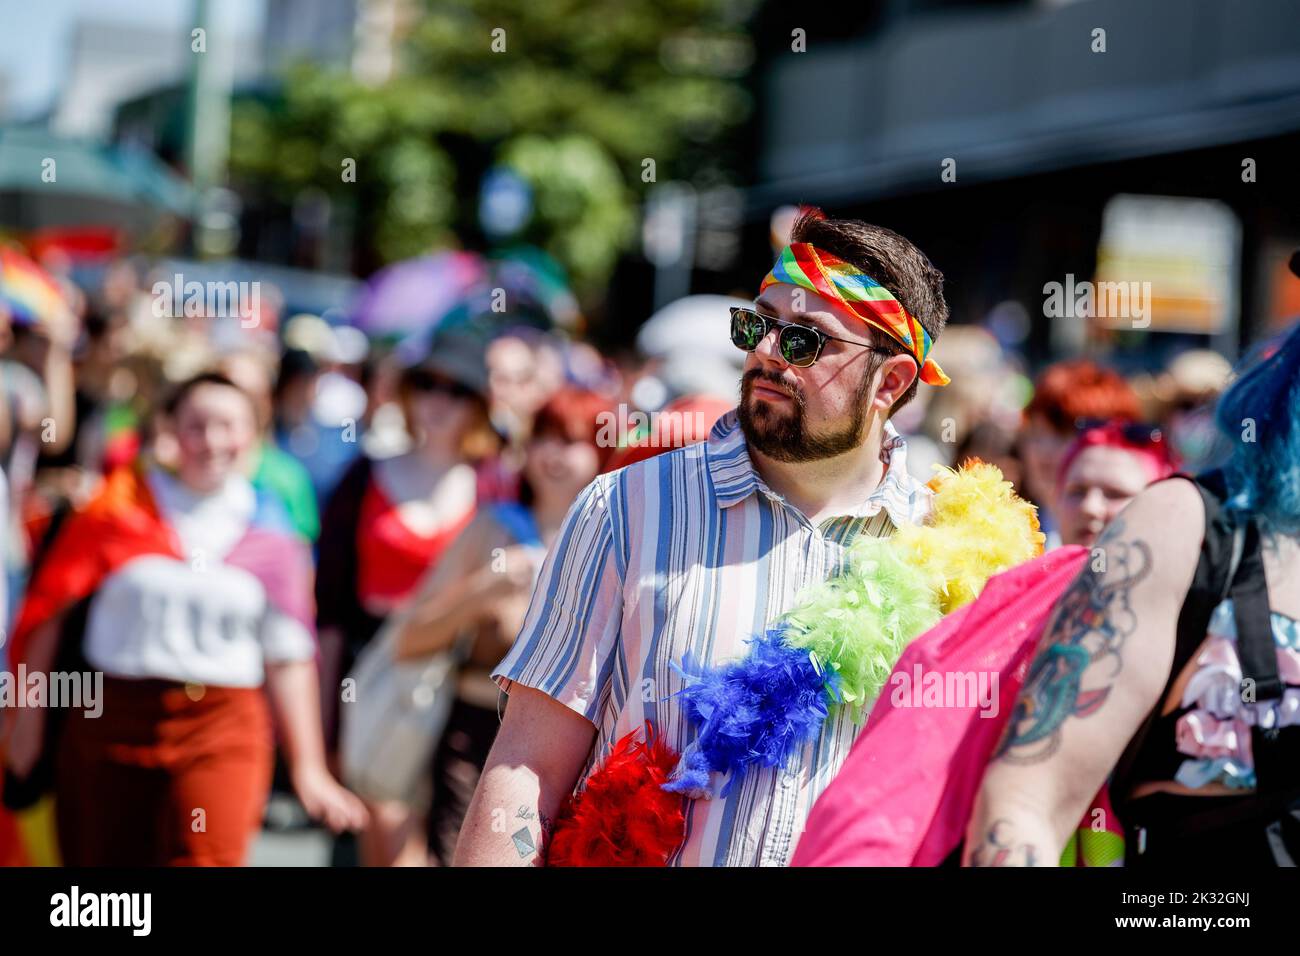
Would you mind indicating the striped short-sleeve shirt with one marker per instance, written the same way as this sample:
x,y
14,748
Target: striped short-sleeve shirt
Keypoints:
x,y
691,552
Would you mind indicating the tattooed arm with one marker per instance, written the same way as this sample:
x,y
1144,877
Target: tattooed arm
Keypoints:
x,y
534,764
1102,663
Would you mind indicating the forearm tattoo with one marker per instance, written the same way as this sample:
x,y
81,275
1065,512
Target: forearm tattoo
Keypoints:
x,y
1091,622
530,844
1000,848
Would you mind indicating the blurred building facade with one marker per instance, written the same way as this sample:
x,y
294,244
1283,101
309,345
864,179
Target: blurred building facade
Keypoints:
x,y
111,63
996,135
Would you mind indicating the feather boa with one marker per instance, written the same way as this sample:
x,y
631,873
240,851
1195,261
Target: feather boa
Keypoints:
x,y
759,709
622,817
833,650
851,630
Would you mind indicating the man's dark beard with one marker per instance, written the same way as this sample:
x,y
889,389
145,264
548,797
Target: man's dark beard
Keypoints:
x,y
783,436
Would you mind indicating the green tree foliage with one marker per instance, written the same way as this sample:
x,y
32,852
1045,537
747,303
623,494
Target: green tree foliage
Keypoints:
x,y
583,93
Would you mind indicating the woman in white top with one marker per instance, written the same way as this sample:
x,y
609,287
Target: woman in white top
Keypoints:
x,y
196,593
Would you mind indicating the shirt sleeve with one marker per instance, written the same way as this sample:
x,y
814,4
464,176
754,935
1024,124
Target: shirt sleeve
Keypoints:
x,y
566,648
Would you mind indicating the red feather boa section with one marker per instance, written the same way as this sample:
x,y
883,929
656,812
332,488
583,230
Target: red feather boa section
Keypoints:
x,y
623,816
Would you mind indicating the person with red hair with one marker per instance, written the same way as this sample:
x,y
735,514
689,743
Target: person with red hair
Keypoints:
x,y
1064,394
477,596
1102,470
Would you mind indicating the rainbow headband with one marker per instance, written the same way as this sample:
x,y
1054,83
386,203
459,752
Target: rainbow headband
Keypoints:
x,y
803,264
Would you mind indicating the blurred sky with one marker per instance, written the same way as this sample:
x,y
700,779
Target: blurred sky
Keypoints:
x,y
35,35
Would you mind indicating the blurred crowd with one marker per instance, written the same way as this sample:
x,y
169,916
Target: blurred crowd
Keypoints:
x,y
425,474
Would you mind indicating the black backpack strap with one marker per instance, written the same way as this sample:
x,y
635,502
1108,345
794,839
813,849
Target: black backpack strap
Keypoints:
x,y
1276,755
1255,648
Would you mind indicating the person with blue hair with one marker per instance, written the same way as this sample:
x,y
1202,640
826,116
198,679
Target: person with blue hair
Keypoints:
x,y
1171,665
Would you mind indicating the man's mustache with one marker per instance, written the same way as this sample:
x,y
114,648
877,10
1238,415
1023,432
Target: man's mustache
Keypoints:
x,y
775,381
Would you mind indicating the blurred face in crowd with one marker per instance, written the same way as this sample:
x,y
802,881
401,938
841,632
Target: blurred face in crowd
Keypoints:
x,y
214,430
555,465
1100,481
512,371
521,377
438,413
806,414
1041,448
119,285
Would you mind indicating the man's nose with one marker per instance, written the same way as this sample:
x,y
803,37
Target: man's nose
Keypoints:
x,y
769,348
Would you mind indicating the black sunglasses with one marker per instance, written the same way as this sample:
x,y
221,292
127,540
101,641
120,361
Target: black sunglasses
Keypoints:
x,y
1135,433
800,345
422,380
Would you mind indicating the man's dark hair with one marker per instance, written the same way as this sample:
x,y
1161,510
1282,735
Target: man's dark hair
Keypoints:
x,y
892,261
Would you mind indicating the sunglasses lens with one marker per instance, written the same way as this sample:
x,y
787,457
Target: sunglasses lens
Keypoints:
x,y
747,329
798,345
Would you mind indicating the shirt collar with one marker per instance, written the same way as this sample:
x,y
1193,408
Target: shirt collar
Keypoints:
x,y
735,478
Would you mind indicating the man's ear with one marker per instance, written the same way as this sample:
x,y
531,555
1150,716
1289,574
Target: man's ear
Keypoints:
x,y
897,373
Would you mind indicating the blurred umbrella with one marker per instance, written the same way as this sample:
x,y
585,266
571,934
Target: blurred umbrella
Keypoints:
x,y
519,287
413,296
27,291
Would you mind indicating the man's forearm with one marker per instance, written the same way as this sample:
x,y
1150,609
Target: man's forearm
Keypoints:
x,y
535,763
507,820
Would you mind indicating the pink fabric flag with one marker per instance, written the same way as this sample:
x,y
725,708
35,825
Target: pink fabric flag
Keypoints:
x,y
908,787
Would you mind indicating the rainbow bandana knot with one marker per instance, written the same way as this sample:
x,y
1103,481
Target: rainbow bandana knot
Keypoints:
x,y
802,264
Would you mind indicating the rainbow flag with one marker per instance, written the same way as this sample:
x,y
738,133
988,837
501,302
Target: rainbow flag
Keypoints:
x,y
27,291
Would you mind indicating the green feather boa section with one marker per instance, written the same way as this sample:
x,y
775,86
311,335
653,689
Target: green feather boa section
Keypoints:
x,y
859,622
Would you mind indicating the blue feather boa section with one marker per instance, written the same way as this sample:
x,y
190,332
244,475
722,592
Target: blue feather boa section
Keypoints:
x,y
758,711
